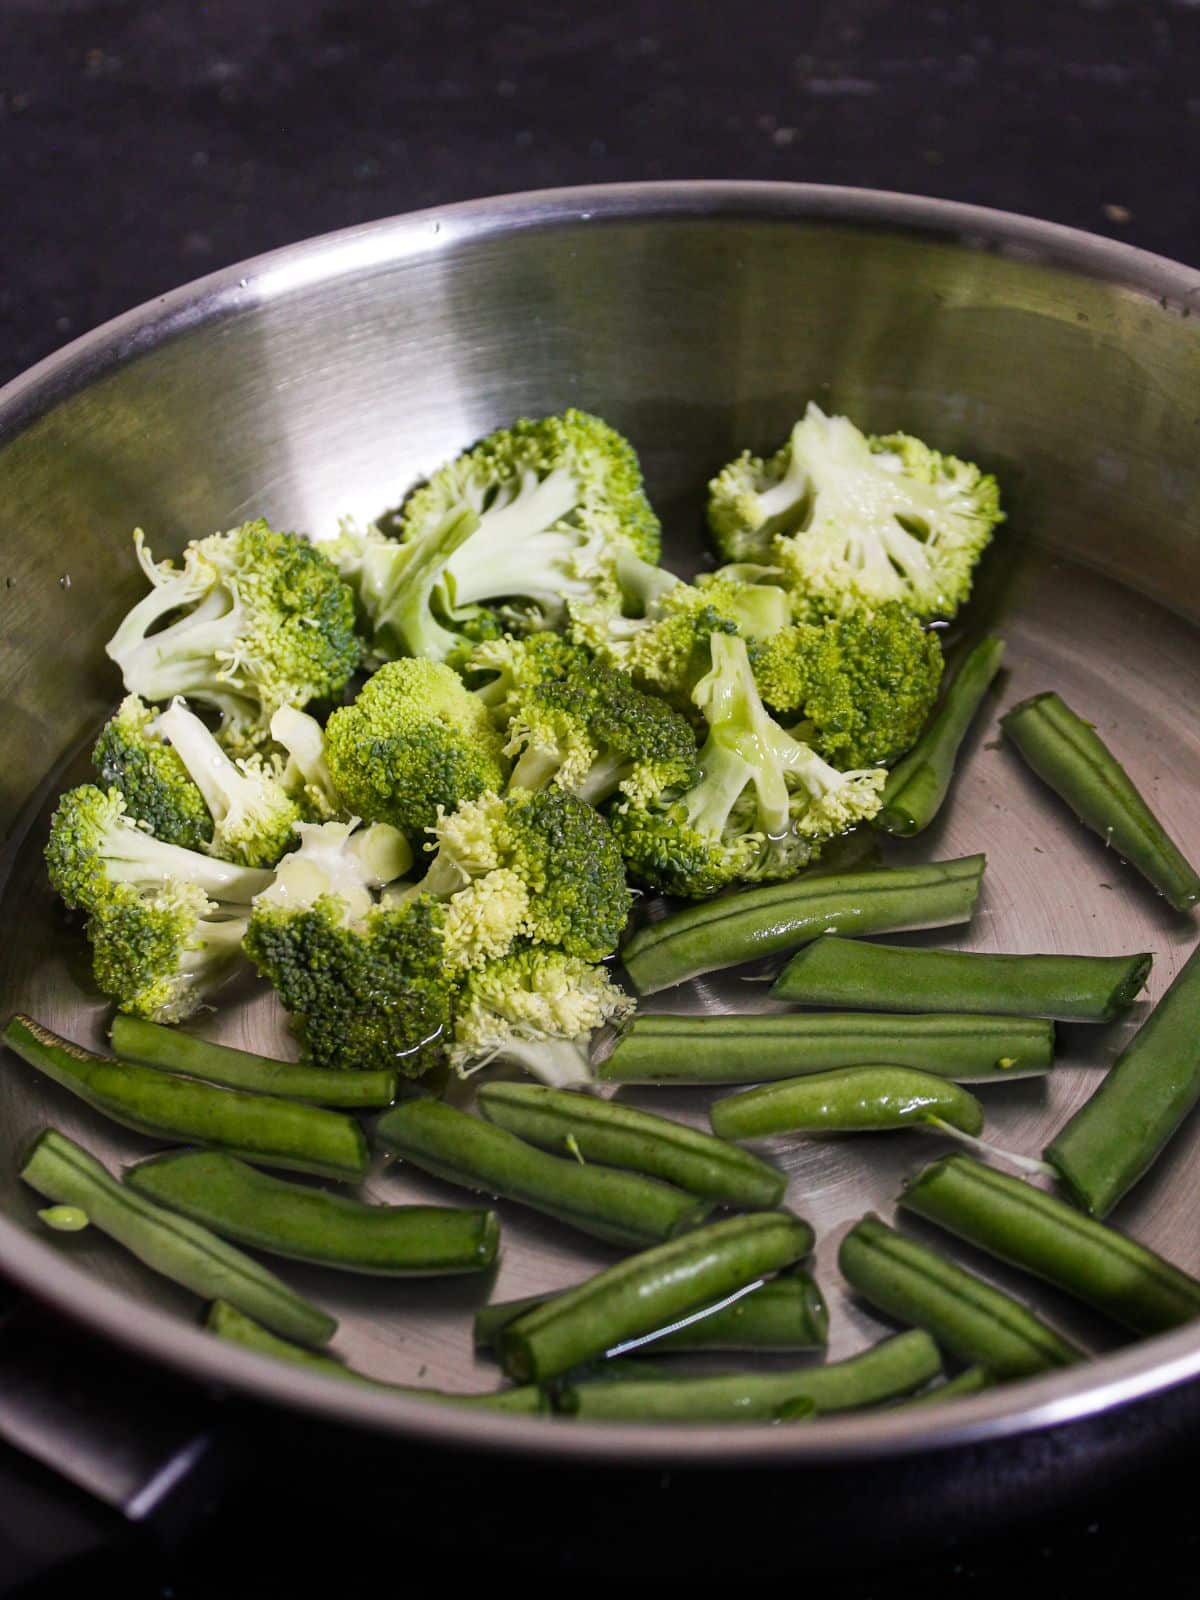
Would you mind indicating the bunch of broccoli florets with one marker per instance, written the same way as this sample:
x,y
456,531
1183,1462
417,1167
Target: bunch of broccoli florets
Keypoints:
x,y
431,864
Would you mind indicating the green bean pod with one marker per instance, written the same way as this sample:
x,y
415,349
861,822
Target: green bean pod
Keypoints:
x,y
227,1322
1115,1137
135,1039
621,1136
622,1207
892,1368
290,1219
174,1246
973,1380
1069,755
784,1313
650,1291
917,785
280,1133
968,1317
1018,1223
884,977
781,916
756,1049
847,1100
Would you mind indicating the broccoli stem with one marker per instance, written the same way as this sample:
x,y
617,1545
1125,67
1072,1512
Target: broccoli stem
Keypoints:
x,y
209,768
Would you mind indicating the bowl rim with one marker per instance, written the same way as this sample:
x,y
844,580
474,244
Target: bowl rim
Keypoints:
x,y
1146,1368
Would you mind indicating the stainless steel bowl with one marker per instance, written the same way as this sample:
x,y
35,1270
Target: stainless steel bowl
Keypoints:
x,y
699,318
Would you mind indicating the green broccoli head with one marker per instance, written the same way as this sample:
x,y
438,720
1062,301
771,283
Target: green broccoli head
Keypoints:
x,y
415,740
131,756
764,803
861,684
848,517
557,856
160,953
537,1007
252,620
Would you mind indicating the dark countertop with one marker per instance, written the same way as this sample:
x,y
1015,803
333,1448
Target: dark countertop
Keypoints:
x,y
145,144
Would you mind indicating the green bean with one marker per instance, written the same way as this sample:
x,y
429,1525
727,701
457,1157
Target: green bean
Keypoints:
x,y
1115,1137
847,1100
966,1316
754,1049
883,977
781,916
1068,754
1045,1236
135,1039
290,1219
784,1313
621,1136
650,1291
973,1380
280,1133
917,784
889,1369
622,1207
227,1322
177,1248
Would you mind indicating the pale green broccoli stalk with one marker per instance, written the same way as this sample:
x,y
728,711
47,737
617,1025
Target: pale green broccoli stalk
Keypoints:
x,y
862,683
848,517
130,755
416,740
160,954
582,724
536,1007
305,774
763,806
366,985
252,620
253,815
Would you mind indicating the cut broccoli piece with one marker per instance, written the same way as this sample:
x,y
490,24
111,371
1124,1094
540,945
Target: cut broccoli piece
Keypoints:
x,y
763,806
130,755
538,1008
160,954
851,517
305,774
415,740
253,620
862,683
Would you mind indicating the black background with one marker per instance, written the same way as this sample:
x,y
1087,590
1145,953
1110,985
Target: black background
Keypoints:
x,y
145,144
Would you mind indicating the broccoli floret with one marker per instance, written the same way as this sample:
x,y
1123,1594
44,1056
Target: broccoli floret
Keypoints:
x,y
131,755
365,984
862,683
305,773
506,534
252,620
253,816
539,1008
582,724
415,740
160,954
551,860
659,633
869,519
763,805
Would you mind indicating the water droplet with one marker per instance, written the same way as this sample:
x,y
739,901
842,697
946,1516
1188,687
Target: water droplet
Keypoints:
x,y
65,581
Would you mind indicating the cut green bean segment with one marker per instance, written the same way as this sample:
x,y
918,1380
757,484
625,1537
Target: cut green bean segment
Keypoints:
x,y
918,784
174,1246
888,1370
968,1317
622,1207
781,916
227,1322
1043,1235
846,1100
785,1313
621,1136
974,1380
135,1039
756,1049
279,1133
290,1219
1115,1137
884,977
649,1292
1068,754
